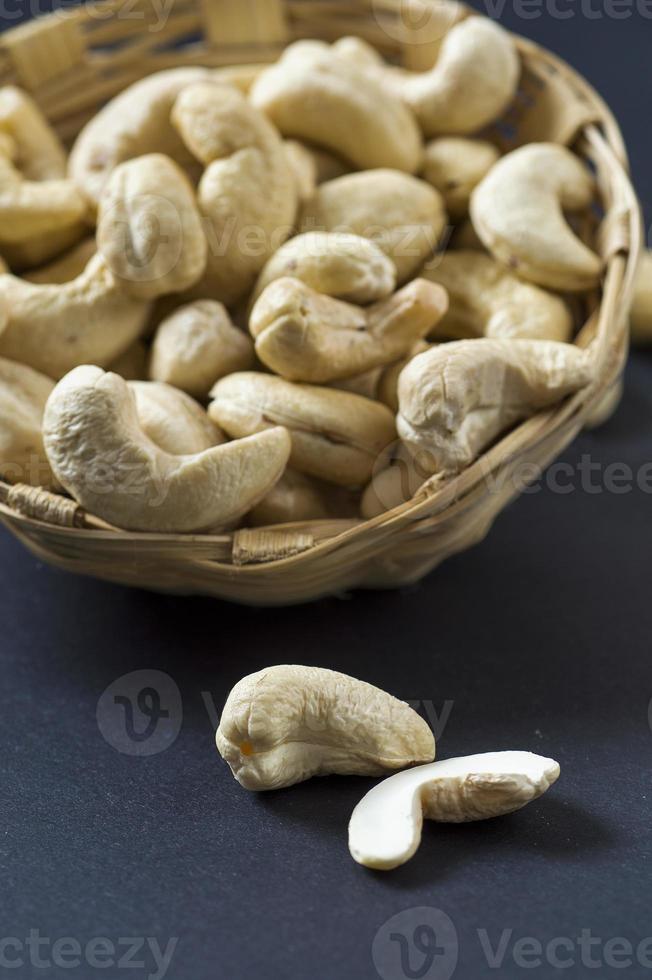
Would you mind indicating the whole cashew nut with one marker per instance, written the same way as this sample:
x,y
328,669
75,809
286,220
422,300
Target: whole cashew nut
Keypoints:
x,y
23,395
385,828
248,191
55,328
100,454
403,215
149,229
456,399
196,346
305,336
314,94
517,211
344,266
455,166
285,724
174,420
486,300
336,436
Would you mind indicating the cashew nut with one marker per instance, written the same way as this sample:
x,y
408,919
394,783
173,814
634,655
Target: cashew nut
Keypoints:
x,y
29,140
314,94
248,191
456,399
387,390
344,266
455,166
100,454
55,328
486,300
517,212
29,209
385,828
393,484
174,420
23,394
149,228
285,724
196,346
305,336
641,315
403,215
67,266
336,436
297,498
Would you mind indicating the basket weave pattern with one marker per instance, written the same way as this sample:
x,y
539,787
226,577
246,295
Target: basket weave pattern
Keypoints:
x,y
73,62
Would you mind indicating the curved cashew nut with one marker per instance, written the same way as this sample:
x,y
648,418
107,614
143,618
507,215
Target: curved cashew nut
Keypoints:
x,y
149,229
174,420
517,212
248,191
132,124
336,436
641,316
314,94
298,498
456,399
455,166
66,267
486,300
196,346
385,828
305,336
286,724
29,209
403,215
344,266
30,141
100,454
23,395
55,328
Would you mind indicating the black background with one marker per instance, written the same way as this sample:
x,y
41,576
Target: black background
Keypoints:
x,y
540,637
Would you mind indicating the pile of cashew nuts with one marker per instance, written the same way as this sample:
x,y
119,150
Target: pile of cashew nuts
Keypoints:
x,y
244,296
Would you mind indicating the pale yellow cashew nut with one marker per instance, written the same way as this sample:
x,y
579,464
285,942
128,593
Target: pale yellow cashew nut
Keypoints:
x,y
455,166
23,396
173,420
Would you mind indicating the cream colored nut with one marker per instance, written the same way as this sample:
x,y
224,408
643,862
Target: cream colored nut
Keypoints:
x,y
303,165
149,228
55,328
336,436
285,724
314,94
67,266
23,395
387,390
305,336
456,399
486,300
248,192
385,828
517,212
134,123
344,266
33,144
101,455
174,420
393,484
196,346
298,498
132,365
606,407
403,215
641,315
455,166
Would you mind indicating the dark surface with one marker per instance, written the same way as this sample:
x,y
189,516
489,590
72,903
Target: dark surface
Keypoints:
x,y
540,638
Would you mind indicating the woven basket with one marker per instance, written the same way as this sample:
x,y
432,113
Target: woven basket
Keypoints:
x,y
73,62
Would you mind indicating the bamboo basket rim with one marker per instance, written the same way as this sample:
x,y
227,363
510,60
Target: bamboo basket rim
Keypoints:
x,y
255,552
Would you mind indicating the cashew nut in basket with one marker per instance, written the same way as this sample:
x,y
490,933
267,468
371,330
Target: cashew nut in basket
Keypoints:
x,y
385,828
305,336
455,166
99,452
403,215
173,420
23,395
336,436
286,724
314,94
518,212
247,193
456,399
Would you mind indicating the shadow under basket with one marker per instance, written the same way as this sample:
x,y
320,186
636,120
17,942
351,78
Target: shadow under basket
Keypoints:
x,y
73,62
